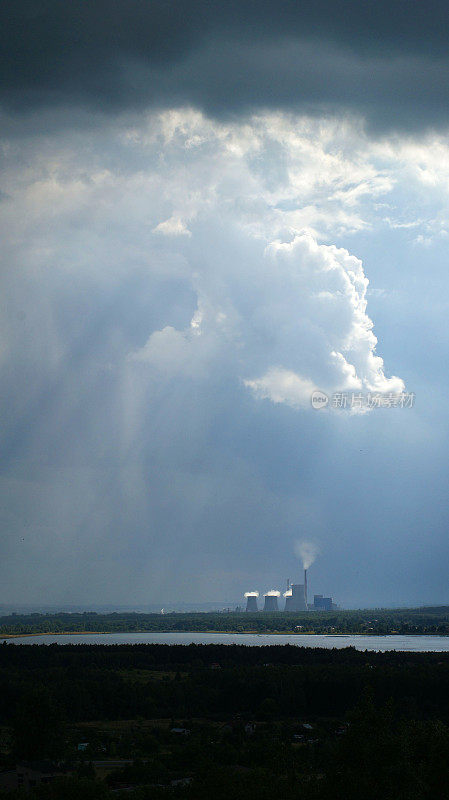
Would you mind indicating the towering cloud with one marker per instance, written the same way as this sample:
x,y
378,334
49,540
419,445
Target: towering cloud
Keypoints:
x,y
283,316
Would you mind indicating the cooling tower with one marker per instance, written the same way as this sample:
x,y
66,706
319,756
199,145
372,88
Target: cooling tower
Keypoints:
x,y
271,601
251,601
288,600
288,597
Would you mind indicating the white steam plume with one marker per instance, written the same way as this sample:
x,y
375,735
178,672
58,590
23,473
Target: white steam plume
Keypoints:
x,y
251,594
307,552
272,593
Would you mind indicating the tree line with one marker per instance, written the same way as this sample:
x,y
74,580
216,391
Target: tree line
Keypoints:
x,y
432,620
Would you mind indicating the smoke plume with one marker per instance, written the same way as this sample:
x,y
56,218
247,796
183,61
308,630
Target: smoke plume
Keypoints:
x,y
251,594
307,552
272,593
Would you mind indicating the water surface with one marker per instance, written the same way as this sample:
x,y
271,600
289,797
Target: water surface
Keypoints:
x,y
435,644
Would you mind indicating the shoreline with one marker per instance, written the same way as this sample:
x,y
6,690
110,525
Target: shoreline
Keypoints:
x,y
6,636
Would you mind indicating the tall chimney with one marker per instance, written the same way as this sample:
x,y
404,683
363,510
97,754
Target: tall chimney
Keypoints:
x,y
305,586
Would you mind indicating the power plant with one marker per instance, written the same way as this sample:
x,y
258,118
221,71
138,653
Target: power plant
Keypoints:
x,y
295,599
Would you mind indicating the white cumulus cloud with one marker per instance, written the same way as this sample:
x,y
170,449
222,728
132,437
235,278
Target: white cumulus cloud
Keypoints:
x,y
294,320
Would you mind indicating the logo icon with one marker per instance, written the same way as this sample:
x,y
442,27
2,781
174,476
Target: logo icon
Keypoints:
x,y
319,399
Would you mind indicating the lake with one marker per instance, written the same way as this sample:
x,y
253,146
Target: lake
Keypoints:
x,y
420,644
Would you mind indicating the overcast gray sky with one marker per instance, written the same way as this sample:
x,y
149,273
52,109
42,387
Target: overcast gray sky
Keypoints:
x,y
207,212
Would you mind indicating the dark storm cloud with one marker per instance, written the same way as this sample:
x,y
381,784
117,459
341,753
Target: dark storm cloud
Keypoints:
x,y
388,60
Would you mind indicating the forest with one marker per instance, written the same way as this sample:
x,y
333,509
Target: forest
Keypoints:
x,y
193,721
432,620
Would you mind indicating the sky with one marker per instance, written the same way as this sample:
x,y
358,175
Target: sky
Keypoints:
x,y
209,212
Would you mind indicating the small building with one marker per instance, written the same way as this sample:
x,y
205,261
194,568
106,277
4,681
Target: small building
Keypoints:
x,y
180,731
34,773
342,730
